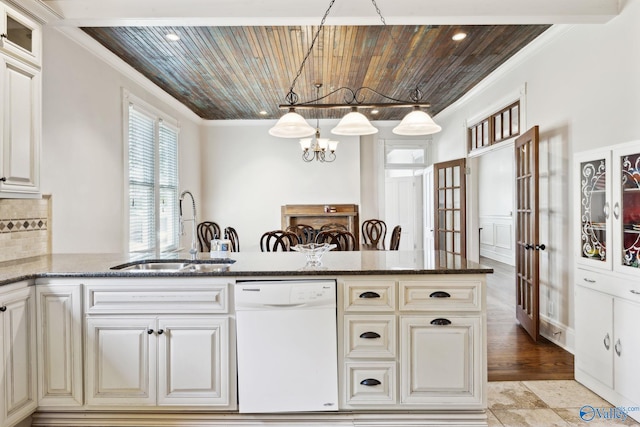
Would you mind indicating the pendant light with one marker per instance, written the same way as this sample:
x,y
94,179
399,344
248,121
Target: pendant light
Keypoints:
x,y
417,122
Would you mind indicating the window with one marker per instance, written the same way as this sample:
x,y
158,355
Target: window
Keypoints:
x,y
153,181
405,158
498,127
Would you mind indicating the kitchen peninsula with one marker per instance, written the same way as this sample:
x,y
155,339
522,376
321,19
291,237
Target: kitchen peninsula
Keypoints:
x,y
159,348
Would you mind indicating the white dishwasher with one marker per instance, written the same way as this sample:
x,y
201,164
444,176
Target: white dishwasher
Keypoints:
x,y
287,346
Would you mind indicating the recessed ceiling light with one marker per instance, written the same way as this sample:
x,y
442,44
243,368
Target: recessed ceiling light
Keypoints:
x,y
375,111
263,113
173,37
459,36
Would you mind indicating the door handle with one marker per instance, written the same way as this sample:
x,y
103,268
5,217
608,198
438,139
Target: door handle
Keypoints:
x,y
618,347
541,247
527,246
607,341
616,210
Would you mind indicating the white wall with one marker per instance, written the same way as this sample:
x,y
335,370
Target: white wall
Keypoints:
x,y
583,90
82,146
247,175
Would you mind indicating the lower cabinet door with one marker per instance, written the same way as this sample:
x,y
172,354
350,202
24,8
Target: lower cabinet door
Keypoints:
x,y
594,334
121,361
193,361
18,355
441,361
627,350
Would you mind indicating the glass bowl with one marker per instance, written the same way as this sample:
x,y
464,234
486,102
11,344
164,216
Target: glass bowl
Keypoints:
x,y
314,252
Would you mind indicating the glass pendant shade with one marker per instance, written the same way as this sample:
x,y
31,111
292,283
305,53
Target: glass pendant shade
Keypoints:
x,y
333,145
305,143
417,122
354,123
292,125
323,143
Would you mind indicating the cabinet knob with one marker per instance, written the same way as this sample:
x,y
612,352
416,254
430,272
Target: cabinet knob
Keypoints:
x,y
3,179
370,382
369,294
607,341
3,308
149,331
160,331
370,335
441,322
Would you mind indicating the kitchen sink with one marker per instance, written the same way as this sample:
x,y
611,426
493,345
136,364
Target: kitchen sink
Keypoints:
x,y
173,266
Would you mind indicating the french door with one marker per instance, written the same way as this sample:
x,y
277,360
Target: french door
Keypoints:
x,y
527,230
450,211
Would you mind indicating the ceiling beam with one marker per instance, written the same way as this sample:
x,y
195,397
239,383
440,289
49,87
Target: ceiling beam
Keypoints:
x,y
344,12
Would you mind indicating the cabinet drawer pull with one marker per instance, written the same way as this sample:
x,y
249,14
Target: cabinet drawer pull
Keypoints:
x,y
618,347
369,294
149,331
369,335
607,341
3,308
441,322
633,291
370,382
440,294
589,280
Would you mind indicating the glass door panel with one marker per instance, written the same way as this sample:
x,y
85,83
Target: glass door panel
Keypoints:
x,y
630,209
594,210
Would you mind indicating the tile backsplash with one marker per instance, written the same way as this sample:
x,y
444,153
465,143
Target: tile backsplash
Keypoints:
x,y
25,228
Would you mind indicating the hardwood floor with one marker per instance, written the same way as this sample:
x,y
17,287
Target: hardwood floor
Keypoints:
x,y
511,354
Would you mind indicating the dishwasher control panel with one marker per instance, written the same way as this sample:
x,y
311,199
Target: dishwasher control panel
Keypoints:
x,y
284,293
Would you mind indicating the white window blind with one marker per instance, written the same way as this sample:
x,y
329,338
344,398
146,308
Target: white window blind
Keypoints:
x,y
153,182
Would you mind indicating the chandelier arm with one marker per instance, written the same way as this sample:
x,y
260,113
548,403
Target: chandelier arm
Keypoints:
x,y
313,42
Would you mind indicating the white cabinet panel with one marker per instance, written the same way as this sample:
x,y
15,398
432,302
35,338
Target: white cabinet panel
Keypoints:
x,y
20,143
627,349
193,361
440,361
18,355
594,336
120,361
60,345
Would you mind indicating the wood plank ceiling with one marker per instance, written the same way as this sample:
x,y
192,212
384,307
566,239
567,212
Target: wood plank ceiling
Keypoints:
x,y
231,73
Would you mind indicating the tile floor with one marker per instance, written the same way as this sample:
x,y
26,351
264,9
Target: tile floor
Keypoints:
x,y
545,404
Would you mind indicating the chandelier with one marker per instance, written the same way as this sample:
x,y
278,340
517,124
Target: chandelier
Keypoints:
x,y
293,125
320,149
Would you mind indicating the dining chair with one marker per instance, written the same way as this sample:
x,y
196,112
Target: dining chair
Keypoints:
x,y
207,231
278,240
306,233
231,234
374,232
344,240
395,238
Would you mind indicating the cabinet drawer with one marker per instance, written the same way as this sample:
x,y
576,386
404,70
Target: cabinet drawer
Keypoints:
x,y
370,336
156,299
371,383
369,295
459,295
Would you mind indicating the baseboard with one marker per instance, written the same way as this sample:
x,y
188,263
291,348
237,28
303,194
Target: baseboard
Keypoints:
x,y
557,333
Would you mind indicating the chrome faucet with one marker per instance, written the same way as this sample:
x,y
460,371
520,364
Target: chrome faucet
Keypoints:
x,y
194,249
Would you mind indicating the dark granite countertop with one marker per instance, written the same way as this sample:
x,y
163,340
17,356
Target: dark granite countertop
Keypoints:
x,y
246,264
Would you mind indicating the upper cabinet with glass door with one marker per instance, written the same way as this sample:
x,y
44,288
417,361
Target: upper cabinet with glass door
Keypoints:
x,y
609,203
20,36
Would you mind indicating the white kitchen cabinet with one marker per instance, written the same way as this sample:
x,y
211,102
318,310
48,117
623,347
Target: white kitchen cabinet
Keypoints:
x,y
158,343
608,208
59,326
607,344
20,36
438,361
20,129
17,353
416,344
